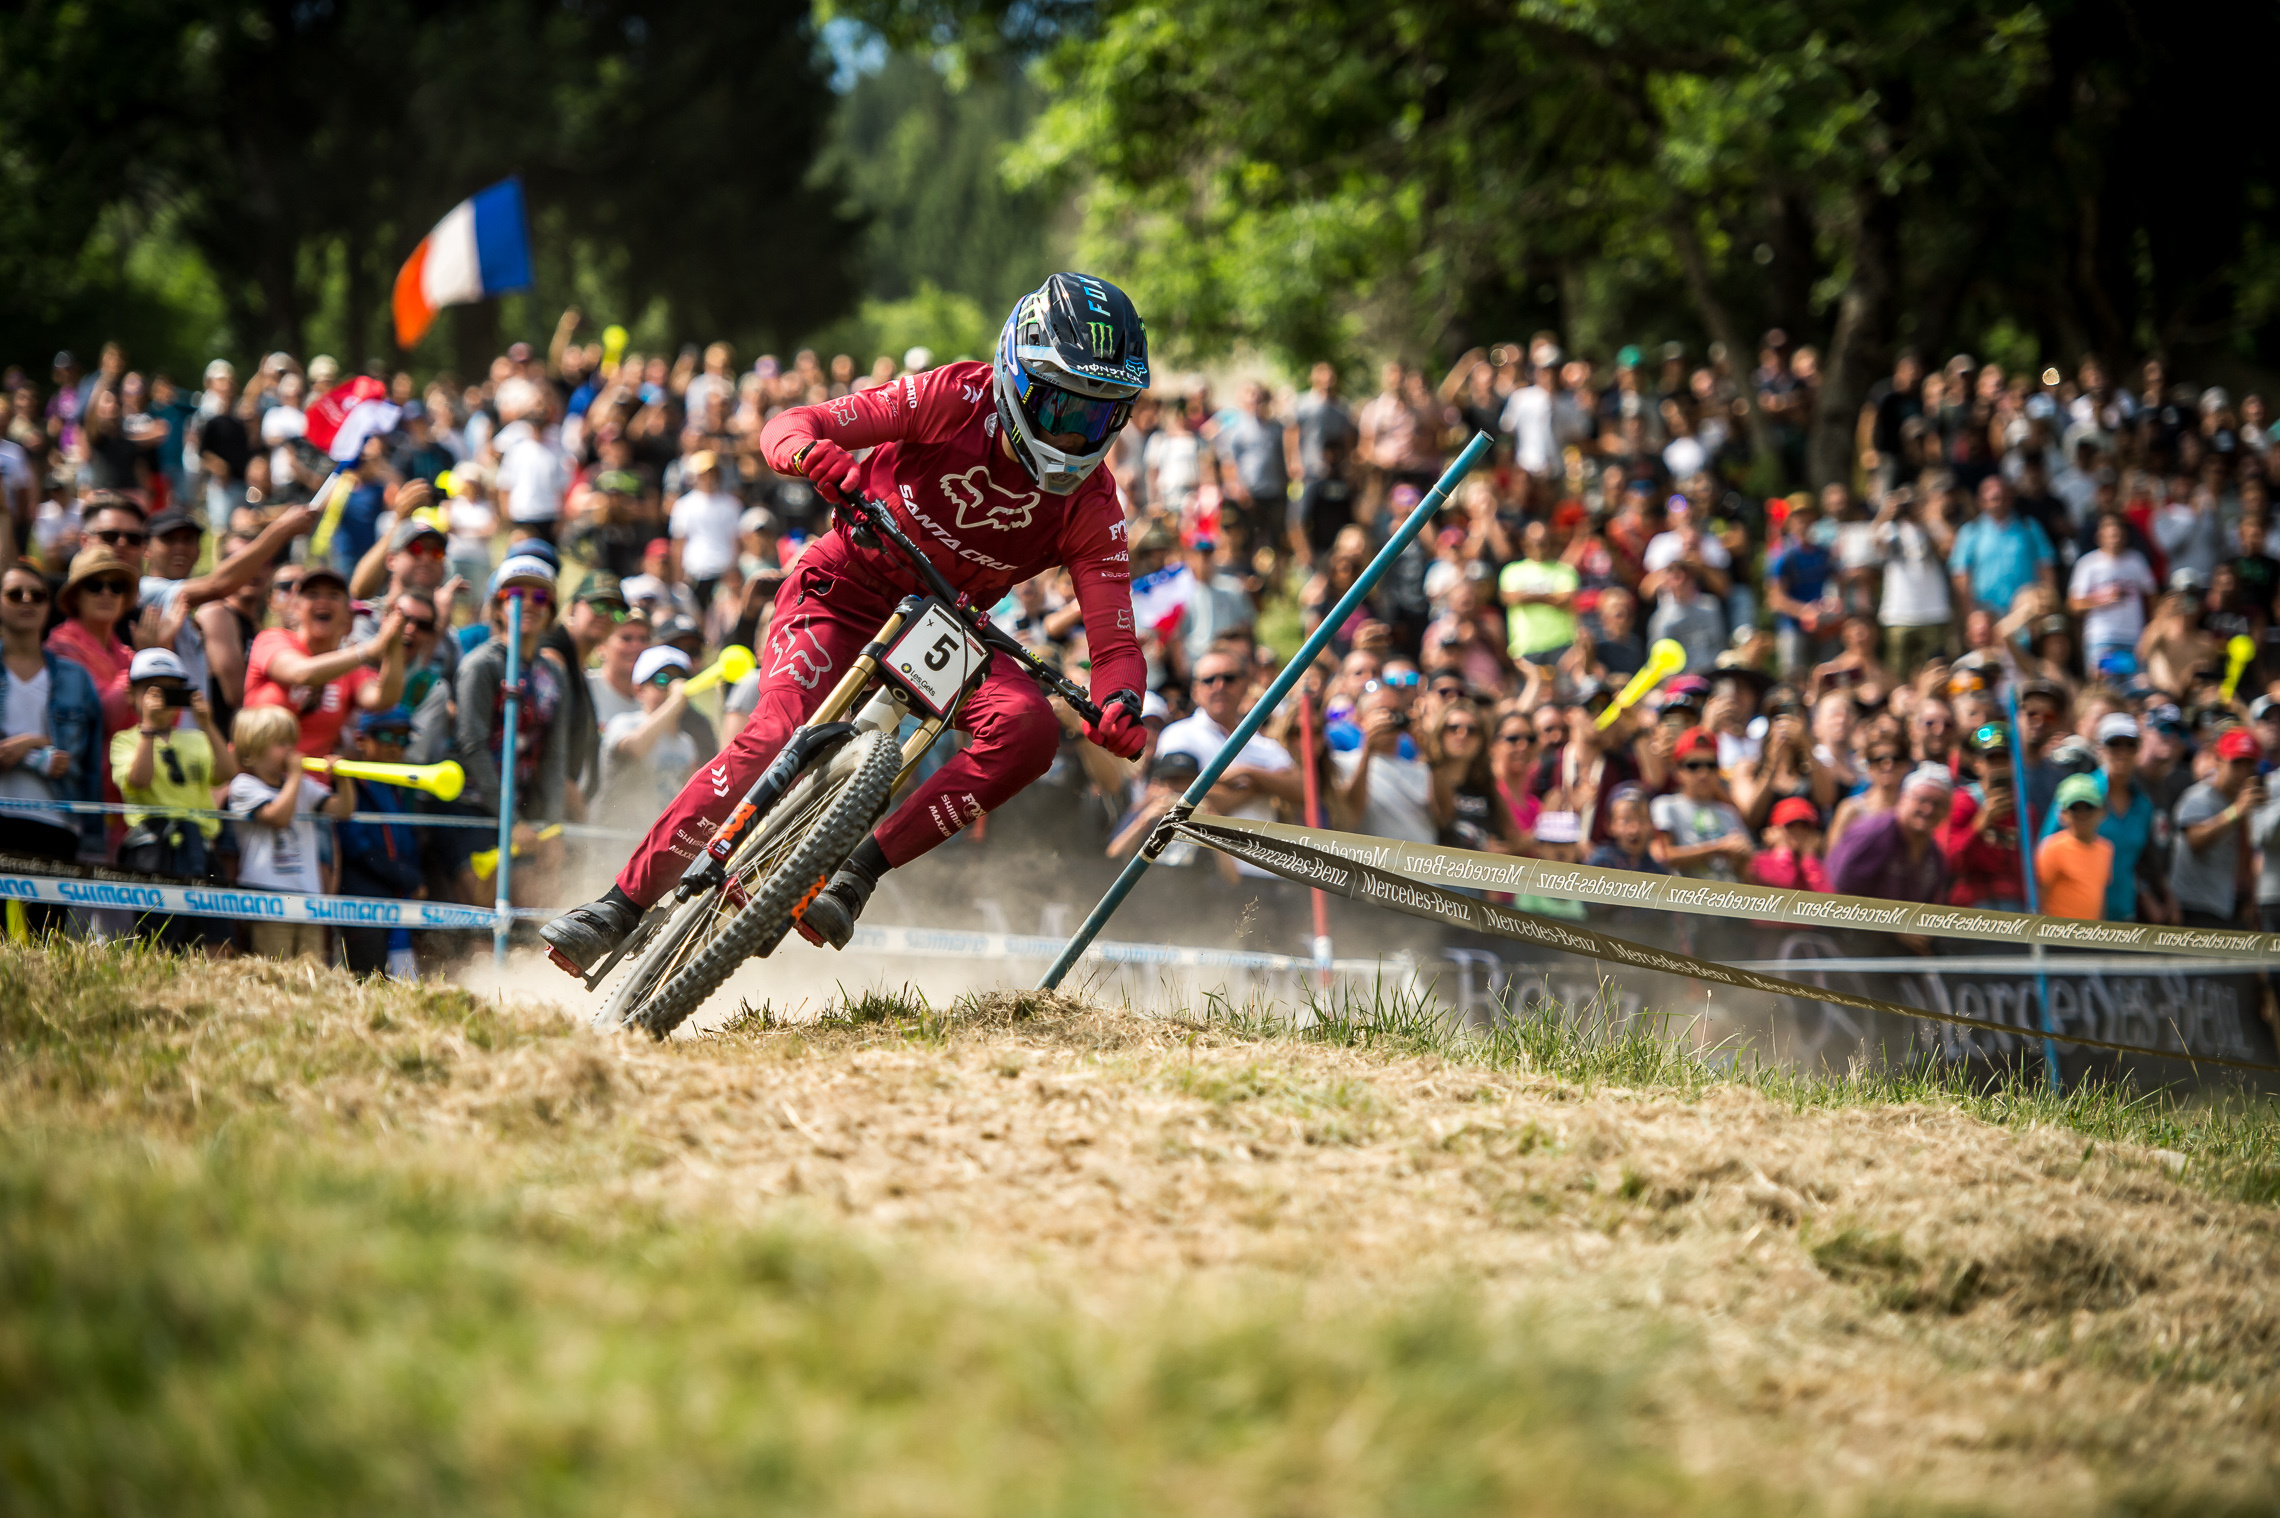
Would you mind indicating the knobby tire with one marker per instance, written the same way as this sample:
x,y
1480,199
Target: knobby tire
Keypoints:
x,y
845,818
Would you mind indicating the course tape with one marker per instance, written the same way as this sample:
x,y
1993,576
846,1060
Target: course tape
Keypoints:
x,y
58,883
1370,884
407,819
1466,869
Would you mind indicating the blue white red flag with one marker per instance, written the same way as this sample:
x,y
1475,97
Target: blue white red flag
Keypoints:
x,y
481,248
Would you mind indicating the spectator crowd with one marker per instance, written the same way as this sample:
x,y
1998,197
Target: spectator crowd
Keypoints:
x,y
2026,654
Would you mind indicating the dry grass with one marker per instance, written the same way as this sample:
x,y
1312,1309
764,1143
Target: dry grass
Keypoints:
x,y
1338,1274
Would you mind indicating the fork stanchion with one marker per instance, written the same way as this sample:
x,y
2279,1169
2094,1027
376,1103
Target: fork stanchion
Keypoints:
x,y
504,902
1300,662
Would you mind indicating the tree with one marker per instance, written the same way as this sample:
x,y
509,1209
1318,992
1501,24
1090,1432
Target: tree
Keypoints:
x,y
1333,175
668,141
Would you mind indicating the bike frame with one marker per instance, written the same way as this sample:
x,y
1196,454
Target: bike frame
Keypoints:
x,y
828,724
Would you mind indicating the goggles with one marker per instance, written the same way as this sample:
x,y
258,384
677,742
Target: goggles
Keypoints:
x,y
1051,409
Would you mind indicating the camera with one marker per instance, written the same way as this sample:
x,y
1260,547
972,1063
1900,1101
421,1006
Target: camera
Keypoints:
x,y
177,695
1397,720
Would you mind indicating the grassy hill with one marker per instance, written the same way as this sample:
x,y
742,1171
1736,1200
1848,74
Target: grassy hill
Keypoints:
x,y
274,1241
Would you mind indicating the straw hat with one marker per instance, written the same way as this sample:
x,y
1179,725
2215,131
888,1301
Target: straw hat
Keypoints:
x,y
92,563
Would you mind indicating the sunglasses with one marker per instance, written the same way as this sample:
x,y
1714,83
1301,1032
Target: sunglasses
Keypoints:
x,y
1519,739
2128,743
425,548
1699,764
23,597
420,624
1459,730
665,677
533,595
284,585
1883,761
1216,680
118,535
108,587
610,609
1404,680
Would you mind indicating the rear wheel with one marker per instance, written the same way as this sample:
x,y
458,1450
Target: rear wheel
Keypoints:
x,y
775,872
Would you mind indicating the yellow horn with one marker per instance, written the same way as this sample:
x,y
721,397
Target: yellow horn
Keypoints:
x,y
735,662
442,781
1665,659
2238,653
486,863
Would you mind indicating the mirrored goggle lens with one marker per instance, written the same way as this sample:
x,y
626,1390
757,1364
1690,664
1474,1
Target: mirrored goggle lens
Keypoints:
x,y
1051,409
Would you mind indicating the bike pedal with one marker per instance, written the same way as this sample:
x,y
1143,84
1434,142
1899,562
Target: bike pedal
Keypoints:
x,y
810,934
565,965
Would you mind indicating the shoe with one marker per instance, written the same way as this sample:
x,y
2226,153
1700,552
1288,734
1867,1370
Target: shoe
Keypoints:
x,y
583,937
829,921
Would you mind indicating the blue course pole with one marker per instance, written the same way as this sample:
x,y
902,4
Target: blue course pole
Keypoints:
x,y
505,899
1300,662
2034,892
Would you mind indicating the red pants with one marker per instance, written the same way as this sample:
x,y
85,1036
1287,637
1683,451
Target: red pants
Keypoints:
x,y
822,622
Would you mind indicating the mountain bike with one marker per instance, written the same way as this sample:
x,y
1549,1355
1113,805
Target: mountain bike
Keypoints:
x,y
820,797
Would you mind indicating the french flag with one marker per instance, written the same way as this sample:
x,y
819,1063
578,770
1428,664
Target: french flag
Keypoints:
x,y
481,248
344,416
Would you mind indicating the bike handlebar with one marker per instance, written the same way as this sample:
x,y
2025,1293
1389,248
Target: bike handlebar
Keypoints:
x,y
873,516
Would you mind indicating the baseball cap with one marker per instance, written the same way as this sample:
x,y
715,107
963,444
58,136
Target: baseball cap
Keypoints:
x,y
536,548
1154,708
1694,741
757,519
2189,580
663,656
1991,736
618,482
311,573
1796,809
1928,776
394,719
171,520
2238,743
604,587
522,569
2117,725
703,461
156,664
1176,767
2079,790
410,530
2262,707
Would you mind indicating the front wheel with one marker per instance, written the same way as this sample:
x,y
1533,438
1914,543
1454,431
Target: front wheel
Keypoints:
x,y
789,857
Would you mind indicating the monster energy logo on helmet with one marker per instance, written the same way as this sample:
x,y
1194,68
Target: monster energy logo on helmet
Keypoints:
x,y
1103,338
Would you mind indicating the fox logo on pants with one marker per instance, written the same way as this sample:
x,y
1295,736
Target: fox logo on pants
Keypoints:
x,y
997,508
796,652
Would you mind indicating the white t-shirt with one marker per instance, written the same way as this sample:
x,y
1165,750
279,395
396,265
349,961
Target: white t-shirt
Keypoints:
x,y
1665,548
1915,581
277,859
1528,417
705,524
1401,796
608,704
189,643
649,783
531,475
2124,619
1201,737
1173,456
26,711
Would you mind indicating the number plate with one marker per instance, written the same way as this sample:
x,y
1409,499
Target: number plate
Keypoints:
x,y
935,657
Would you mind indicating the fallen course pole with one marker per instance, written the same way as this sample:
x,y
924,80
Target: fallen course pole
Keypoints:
x,y
1264,707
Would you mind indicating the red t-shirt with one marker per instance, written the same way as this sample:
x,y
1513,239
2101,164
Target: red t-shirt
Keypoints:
x,y
974,511
322,709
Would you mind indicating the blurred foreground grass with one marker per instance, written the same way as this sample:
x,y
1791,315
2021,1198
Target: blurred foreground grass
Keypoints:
x,y
276,1241
211,1305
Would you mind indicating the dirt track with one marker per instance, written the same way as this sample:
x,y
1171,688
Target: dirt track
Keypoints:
x,y
1878,1296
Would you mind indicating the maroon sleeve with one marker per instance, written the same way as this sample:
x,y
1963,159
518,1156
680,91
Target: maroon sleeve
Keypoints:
x,y
918,408
1099,560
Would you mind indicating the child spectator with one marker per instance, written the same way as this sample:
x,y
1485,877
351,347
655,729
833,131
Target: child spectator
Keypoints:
x,y
2073,865
277,844
1631,835
646,757
160,764
1703,834
1792,856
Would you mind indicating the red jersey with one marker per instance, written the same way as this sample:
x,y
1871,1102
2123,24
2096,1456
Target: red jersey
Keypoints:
x,y
970,506
322,709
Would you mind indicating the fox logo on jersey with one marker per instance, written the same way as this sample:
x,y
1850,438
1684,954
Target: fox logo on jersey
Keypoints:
x,y
983,502
798,653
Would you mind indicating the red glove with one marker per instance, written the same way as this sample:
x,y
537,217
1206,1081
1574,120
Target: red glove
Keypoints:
x,y
1119,730
830,468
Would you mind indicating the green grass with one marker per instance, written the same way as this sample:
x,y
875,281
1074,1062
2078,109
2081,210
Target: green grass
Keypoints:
x,y
2230,1143
243,1326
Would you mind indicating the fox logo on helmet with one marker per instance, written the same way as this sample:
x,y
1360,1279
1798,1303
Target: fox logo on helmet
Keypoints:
x,y
994,507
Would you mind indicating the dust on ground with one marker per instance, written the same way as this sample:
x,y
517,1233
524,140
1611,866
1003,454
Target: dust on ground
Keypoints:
x,y
1890,1297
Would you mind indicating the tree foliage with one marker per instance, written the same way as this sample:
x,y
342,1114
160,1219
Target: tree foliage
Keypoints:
x,y
1332,175
665,144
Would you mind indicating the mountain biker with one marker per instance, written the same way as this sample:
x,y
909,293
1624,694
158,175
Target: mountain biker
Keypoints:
x,y
990,469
